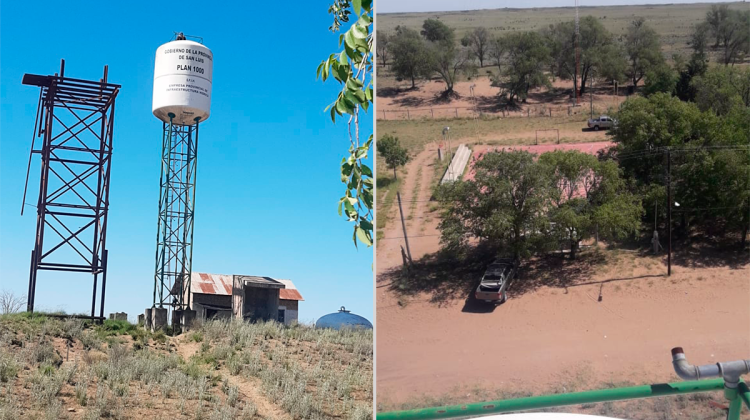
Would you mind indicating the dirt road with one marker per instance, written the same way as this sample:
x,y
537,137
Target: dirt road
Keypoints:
x,y
541,338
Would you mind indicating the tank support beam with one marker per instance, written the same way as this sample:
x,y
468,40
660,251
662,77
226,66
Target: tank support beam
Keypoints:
x,y
174,237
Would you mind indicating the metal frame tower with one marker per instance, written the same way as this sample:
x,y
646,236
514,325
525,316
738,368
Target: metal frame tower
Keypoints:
x,y
75,119
576,85
174,238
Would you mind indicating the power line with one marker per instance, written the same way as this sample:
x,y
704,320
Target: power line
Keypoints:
x,y
411,236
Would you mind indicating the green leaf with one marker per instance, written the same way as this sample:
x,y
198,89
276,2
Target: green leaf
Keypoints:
x,y
366,169
364,20
359,32
348,206
367,198
364,236
357,6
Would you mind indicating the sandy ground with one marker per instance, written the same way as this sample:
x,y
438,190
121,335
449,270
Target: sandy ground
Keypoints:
x,y
425,100
539,338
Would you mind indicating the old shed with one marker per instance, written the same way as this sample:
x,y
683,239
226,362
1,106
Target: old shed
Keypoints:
x,y
251,298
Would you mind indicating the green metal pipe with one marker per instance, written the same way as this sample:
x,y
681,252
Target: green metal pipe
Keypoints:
x,y
735,406
744,392
545,401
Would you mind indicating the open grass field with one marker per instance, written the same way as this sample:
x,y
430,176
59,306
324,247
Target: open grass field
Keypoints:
x,y
60,369
673,22
416,134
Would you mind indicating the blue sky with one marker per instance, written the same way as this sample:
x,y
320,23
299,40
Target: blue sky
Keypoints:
x,y
400,6
268,165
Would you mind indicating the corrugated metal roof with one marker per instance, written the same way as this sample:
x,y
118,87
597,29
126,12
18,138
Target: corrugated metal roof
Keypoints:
x,y
211,284
262,281
221,284
290,292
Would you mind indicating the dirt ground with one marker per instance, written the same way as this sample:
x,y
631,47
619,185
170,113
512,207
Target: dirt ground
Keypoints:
x,y
426,102
554,325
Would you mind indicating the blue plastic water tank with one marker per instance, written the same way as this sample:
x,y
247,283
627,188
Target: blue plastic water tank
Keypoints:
x,y
343,319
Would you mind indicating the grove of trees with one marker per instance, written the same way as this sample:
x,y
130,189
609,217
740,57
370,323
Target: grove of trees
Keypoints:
x,y
525,205
527,60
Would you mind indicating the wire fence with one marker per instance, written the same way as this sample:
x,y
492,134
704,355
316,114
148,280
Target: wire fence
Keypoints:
x,y
536,111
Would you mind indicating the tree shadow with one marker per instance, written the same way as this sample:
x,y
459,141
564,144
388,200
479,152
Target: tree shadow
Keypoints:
x,y
383,181
442,275
550,96
392,92
410,101
554,270
494,104
704,250
446,277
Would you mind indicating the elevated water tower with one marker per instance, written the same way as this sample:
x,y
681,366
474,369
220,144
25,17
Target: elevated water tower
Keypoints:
x,y
182,101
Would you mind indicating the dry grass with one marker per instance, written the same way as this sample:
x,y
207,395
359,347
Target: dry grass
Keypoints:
x,y
62,369
414,134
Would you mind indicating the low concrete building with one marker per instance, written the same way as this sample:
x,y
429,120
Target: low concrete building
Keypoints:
x,y
250,298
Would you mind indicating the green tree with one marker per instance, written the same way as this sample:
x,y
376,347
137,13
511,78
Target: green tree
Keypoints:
x,y
496,50
697,65
715,18
389,148
735,33
504,204
722,89
352,68
526,58
444,56
710,162
383,40
589,197
643,50
410,57
478,42
661,79
436,31
447,61
599,53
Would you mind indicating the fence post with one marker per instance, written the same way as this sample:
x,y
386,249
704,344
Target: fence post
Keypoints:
x,y
407,114
384,117
456,112
550,112
432,113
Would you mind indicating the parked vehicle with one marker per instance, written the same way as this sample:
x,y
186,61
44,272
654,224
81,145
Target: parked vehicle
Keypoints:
x,y
602,122
494,285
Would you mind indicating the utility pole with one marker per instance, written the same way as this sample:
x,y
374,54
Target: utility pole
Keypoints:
x,y
591,104
576,86
403,225
669,211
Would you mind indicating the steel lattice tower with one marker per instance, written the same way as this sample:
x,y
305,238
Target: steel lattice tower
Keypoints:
x,y
174,238
75,119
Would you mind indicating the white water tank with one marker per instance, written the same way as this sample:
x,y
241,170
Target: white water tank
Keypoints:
x,y
182,82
